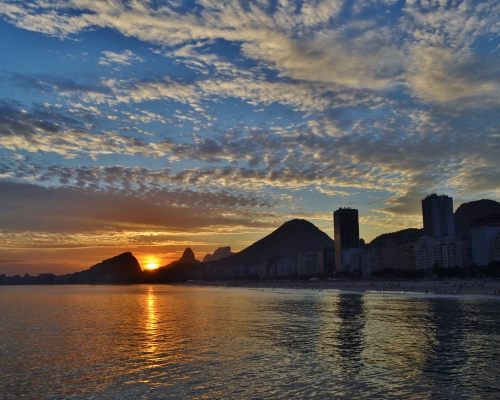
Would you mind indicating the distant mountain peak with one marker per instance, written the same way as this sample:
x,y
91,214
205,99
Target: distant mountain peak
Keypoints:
x,y
221,252
188,255
187,258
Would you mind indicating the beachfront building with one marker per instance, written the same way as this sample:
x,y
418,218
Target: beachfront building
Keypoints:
x,y
424,253
357,265
346,232
388,255
453,251
307,264
281,268
403,254
482,233
346,257
496,247
437,213
371,261
326,261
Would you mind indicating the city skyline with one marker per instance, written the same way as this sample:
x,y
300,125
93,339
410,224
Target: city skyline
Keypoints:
x,y
414,251
152,126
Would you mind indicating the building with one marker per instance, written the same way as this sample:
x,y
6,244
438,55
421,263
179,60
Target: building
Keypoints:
x,y
371,261
496,247
424,253
482,233
307,264
357,265
463,249
346,232
281,268
271,265
449,252
326,261
403,259
388,255
346,257
437,212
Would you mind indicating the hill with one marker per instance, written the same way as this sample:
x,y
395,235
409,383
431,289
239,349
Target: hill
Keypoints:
x,y
221,252
290,239
472,210
398,236
187,258
124,263
121,268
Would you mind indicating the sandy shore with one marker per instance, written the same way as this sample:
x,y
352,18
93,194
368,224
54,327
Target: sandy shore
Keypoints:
x,y
437,287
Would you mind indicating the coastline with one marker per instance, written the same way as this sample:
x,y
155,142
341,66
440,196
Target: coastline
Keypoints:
x,y
470,287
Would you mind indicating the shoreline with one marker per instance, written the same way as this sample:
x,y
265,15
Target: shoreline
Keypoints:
x,y
472,287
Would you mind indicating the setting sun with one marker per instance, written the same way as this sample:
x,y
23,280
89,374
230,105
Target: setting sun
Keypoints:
x,y
151,262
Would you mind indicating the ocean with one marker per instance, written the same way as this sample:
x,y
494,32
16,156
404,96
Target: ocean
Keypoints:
x,y
162,341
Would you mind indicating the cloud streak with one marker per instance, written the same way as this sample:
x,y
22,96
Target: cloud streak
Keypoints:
x,y
249,111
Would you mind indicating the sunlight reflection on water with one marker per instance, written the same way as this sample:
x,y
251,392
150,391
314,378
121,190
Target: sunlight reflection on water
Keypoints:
x,y
177,342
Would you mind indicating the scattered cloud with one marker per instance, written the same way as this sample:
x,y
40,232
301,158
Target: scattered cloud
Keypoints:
x,y
127,57
225,106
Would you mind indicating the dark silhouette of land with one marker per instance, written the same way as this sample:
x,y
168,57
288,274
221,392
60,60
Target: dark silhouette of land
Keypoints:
x,y
221,252
290,239
473,210
187,258
285,243
398,236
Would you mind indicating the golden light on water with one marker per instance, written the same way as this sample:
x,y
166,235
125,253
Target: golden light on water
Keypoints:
x,y
151,322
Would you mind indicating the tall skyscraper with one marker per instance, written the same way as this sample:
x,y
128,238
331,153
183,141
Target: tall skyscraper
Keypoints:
x,y
483,232
346,232
437,212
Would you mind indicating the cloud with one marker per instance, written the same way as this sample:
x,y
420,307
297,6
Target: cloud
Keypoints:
x,y
432,155
401,105
297,41
303,40
46,83
54,132
441,75
124,58
74,210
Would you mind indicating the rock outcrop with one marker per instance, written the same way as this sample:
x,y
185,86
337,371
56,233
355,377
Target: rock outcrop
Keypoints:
x,y
187,258
221,252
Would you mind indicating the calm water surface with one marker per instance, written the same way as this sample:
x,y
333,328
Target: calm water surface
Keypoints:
x,y
187,342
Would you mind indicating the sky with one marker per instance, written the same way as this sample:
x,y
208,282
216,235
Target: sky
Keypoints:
x,y
150,126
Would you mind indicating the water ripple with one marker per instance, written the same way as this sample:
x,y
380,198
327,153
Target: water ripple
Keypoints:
x,y
177,342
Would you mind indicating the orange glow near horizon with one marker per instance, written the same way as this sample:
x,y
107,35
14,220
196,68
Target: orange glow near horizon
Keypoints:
x,y
152,262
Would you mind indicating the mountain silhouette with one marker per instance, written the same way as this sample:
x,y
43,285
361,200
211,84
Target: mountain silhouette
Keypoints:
x,y
398,236
290,239
187,258
473,210
121,268
123,263
221,252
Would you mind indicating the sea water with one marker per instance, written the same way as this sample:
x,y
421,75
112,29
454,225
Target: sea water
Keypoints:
x,y
161,341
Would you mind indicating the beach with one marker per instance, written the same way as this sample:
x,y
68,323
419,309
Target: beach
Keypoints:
x,y
473,287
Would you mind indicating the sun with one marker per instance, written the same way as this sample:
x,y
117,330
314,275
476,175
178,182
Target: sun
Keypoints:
x,y
152,263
